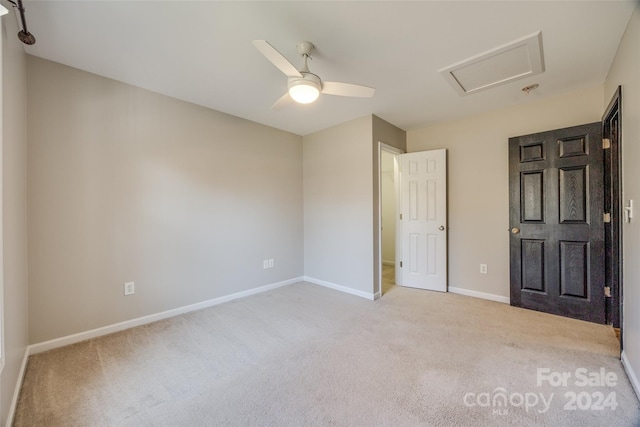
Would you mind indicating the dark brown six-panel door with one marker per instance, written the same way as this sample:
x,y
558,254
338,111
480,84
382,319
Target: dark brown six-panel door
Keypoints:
x,y
556,196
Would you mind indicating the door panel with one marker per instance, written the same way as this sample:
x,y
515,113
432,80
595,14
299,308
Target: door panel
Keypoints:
x,y
533,265
424,214
532,196
573,195
557,231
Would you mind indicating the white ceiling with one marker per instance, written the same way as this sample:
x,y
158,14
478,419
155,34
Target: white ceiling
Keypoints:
x,y
201,51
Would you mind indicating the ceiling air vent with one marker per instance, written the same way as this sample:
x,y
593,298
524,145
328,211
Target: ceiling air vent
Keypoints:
x,y
512,61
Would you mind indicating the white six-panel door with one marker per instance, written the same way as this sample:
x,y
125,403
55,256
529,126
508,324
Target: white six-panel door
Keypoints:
x,y
423,177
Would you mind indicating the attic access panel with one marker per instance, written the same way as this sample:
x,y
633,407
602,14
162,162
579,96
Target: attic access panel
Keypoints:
x,y
512,61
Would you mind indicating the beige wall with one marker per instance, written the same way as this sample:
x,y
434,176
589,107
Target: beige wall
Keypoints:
x,y
478,187
14,212
625,71
129,185
338,195
340,190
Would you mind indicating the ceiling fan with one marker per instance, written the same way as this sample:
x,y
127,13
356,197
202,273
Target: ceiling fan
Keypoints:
x,y
304,86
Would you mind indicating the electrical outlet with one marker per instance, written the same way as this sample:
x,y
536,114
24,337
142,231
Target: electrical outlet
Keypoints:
x,y
129,288
483,268
265,263
270,262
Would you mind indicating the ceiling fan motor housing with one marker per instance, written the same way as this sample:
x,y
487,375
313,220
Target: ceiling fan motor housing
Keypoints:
x,y
306,89
305,48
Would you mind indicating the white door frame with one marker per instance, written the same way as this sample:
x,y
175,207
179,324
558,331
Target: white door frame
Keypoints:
x,y
395,151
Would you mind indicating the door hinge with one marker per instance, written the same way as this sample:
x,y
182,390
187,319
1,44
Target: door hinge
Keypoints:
x,y
606,143
606,218
400,217
607,291
400,264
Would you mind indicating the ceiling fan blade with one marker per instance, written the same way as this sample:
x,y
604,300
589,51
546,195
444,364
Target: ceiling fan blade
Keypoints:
x,y
347,89
276,58
284,101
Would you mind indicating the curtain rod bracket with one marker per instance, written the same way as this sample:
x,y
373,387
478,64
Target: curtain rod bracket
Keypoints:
x,y
24,35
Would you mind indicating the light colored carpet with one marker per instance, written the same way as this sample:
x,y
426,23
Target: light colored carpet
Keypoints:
x,y
305,355
388,278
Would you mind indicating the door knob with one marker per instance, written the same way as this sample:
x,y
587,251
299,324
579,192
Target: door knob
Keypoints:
x,y
515,230
441,228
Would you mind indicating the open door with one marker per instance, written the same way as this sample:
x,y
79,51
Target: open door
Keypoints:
x,y
556,214
423,261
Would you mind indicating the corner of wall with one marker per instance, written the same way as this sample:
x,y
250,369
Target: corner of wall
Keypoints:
x,y
337,167
13,170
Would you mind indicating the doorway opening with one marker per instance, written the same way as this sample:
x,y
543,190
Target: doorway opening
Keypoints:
x,y
389,209
411,250
611,132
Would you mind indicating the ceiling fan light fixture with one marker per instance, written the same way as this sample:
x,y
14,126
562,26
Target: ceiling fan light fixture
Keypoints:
x,y
305,90
304,87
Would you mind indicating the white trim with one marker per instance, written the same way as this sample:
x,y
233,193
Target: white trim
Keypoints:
x,y
476,294
3,11
631,374
346,290
109,329
377,295
16,392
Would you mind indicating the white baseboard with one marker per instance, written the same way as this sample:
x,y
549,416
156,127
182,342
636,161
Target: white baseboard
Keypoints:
x,y
105,330
476,294
377,295
16,392
93,333
362,294
631,374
